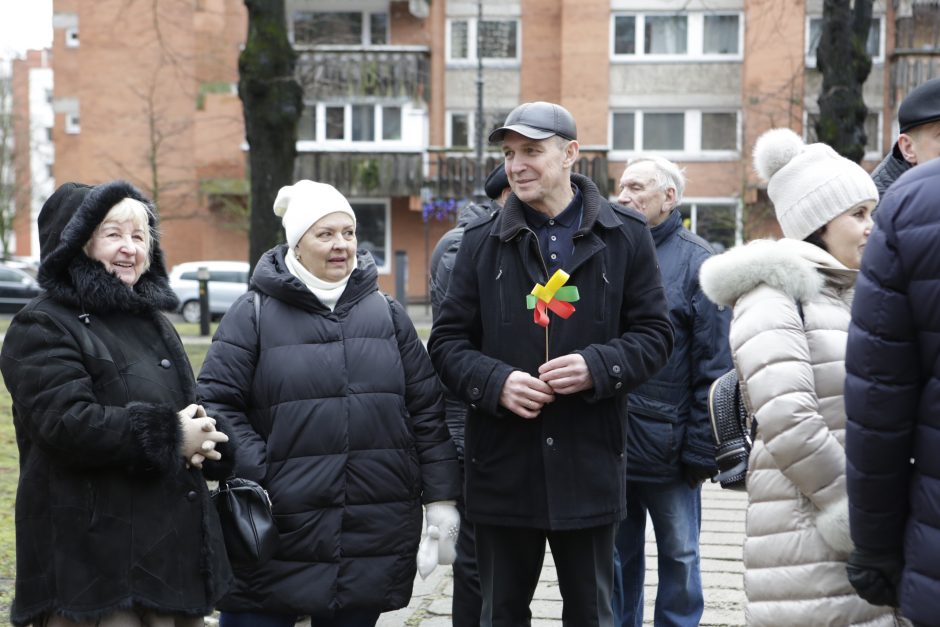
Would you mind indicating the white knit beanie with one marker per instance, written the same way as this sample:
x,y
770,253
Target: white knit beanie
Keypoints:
x,y
300,206
809,185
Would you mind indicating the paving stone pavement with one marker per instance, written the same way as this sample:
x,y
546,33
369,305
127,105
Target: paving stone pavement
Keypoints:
x,y
722,542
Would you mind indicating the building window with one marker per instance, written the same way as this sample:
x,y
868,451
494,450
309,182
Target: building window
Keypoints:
x,y
344,28
719,131
71,37
372,229
665,34
708,134
391,123
717,221
694,35
664,131
721,34
73,124
307,127
363,123
335,122
872,133
500,40
461,128
458,130
873,45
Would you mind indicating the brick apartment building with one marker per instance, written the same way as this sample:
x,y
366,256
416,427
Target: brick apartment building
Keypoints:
x,y
146,91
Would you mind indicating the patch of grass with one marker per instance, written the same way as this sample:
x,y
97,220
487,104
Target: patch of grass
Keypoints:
x,y
192,328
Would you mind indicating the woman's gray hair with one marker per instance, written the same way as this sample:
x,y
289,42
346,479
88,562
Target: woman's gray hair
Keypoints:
x,y
667,174
137,212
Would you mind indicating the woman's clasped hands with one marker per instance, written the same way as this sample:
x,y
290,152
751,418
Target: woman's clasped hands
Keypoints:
x,y
199,436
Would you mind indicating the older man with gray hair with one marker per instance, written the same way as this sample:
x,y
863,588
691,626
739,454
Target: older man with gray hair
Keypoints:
x,y
669,441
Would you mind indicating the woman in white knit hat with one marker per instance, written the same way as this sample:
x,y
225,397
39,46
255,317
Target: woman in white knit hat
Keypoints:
x,y
338,415
792,301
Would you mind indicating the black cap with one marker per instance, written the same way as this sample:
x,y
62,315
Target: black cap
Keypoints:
x,y
921,106
496,182
537,120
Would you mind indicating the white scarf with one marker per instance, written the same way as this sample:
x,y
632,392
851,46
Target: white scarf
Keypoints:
x,y
328,293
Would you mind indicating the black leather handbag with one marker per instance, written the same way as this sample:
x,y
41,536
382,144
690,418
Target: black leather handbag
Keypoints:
x,y
247,522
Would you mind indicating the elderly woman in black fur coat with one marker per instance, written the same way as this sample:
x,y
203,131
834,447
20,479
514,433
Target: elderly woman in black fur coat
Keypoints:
x,y
114,524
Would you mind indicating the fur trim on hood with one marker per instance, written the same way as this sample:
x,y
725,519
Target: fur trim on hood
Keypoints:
x,y
66,223
794,267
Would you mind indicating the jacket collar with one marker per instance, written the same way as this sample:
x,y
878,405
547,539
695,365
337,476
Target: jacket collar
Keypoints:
x,y
662,231
595,210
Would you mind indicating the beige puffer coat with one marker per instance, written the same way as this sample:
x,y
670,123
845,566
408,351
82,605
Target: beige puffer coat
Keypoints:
x,y
792,372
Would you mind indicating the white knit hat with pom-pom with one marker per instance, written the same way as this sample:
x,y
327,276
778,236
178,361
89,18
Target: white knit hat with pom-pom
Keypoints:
x,y
302,204
809,185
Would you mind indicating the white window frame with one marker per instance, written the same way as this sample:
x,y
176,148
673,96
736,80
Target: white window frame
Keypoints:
x,y
365,36
870,155
692,136
811,59
695,42
386,266
73,124
471,58
695,202
72,39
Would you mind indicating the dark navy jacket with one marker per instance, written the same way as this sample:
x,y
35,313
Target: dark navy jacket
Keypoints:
x,y
564,469
669,424
892,390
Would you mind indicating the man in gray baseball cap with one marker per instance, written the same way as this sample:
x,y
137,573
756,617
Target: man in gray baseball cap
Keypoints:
x,y
538,120
554,312
919,138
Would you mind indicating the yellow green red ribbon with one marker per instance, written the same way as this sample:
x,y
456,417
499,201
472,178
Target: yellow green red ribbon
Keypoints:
x,y
554,296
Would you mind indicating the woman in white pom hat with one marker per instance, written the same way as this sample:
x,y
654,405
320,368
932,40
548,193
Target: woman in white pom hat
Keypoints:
x,y
792,301
338,413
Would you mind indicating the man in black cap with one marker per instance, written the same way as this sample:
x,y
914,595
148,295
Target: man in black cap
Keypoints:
x,y
919,139
555,311
466,599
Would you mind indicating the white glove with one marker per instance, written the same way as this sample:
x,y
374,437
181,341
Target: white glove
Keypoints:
x,y
439,543
199,436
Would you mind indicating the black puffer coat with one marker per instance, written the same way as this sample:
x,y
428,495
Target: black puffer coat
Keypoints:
x,y
107,515
892,391
339,417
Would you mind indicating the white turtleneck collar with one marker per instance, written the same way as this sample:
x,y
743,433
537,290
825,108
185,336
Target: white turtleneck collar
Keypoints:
x,y
328,293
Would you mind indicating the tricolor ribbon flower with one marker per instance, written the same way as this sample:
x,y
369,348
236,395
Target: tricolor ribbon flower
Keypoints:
x,y
553,296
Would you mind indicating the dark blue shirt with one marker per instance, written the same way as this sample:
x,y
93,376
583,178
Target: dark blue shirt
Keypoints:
x,y
556,235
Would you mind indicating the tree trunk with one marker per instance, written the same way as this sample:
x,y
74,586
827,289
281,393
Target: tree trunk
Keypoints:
x,y
272,101
843,59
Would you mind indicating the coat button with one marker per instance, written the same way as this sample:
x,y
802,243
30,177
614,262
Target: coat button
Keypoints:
x,y
475,392
615,369
191,495
618,385
549,441
165,363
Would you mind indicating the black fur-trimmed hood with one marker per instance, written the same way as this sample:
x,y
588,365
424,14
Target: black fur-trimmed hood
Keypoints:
x,y
66,222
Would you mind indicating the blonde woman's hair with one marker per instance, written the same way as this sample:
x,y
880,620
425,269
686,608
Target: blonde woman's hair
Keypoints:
x,y
135,211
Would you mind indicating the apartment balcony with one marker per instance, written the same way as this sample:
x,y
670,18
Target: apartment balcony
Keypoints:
x,y
364,174
332,72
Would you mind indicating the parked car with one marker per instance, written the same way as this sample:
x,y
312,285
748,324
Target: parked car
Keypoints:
x,y
16,288
227,281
